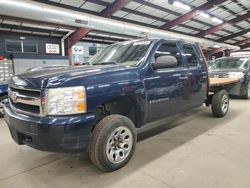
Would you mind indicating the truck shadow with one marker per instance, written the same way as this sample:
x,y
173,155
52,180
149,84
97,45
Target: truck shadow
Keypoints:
x,y
155,141
235,97
171,134
162,125
161,137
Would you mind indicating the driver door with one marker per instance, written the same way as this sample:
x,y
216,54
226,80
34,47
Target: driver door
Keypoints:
x,y
166,88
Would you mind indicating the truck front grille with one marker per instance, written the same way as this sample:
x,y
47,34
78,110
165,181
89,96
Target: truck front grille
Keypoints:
x,y
223,76
27,101
219,75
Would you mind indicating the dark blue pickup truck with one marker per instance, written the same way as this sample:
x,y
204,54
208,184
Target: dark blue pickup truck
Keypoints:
x,y
98,106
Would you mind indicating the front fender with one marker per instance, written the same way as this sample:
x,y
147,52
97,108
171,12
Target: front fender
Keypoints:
x,y
101,93
102,88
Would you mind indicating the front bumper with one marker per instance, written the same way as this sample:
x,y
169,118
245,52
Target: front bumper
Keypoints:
x,y
59,133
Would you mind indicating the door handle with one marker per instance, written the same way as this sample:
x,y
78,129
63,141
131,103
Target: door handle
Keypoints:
x,y
183,78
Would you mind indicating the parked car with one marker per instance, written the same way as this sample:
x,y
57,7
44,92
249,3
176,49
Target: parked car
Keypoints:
x,y
98,106
234,67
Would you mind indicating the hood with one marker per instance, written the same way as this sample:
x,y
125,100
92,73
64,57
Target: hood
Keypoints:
x,y
55,76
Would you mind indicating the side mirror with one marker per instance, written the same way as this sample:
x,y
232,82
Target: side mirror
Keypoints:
x,y
165,61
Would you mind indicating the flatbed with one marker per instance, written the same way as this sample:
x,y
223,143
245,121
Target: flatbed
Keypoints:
x,y
216,87
213,82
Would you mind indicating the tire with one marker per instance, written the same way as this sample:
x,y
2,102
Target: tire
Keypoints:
x,y
3,100
247,92
103,148
220,103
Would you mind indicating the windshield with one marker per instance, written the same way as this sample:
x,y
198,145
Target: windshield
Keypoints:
x,y
127,53
228,63
210,63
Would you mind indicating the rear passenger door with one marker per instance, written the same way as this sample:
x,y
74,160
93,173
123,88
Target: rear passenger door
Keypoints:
x,y
196,74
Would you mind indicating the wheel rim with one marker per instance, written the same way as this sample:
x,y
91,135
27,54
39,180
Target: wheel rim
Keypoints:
x,y
225,103
2,103
119,145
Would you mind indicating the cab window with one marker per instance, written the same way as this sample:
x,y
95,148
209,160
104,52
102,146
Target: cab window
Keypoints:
x,y
190,55
169,49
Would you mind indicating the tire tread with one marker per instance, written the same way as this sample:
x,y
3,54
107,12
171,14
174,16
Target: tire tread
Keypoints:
x,y
98,132
216,103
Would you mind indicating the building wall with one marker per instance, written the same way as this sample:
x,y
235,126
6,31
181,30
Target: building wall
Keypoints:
x,y
77,58
83,51
41,42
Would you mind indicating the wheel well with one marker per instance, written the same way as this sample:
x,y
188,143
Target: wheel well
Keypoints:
x,y
128,106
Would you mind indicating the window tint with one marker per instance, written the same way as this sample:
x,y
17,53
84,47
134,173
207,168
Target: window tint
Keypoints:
x,y
190,55
29,47
170,49
126,53
13,46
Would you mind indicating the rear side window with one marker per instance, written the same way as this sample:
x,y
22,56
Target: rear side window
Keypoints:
x,y
170,49
190,54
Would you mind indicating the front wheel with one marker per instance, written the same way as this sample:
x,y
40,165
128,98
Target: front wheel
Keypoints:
x,y
220,103
3,101
112,142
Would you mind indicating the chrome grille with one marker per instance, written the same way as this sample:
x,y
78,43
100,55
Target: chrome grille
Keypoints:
x,y
223,75
27,101
219,75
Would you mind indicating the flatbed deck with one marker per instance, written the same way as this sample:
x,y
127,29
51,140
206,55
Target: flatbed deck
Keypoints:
x,y
213,82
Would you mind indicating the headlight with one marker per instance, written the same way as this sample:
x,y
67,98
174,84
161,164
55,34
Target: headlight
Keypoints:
x,y
235,75
67,100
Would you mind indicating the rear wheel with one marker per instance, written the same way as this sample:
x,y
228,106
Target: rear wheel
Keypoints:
x,y
220,103
3,101
112,142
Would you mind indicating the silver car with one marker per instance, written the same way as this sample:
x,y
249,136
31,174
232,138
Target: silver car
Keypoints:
x,y
233,67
